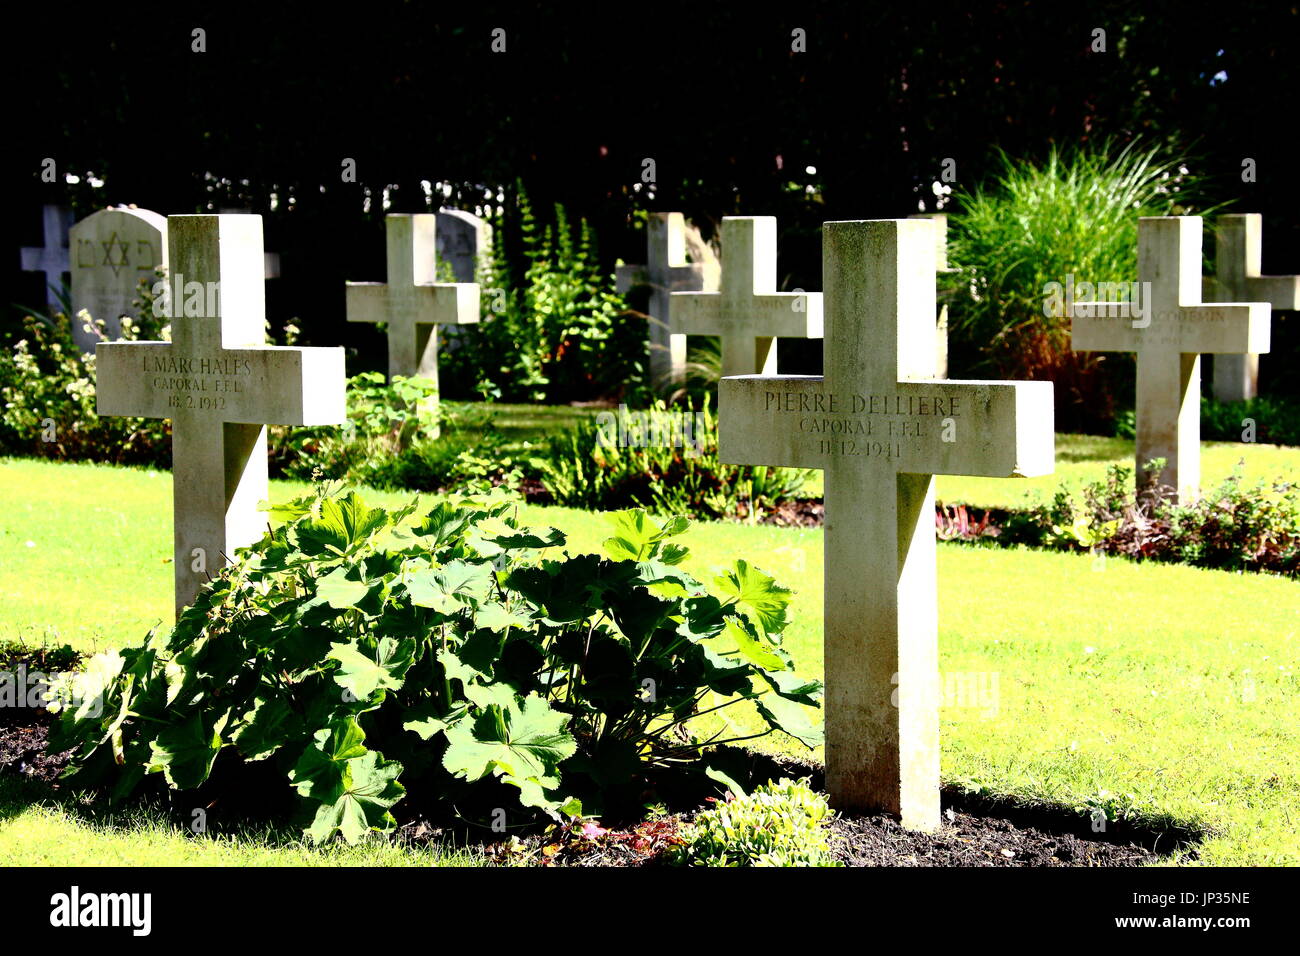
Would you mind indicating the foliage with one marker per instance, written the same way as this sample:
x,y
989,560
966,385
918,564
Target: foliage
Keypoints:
x,y
553,331
397,436
47,394
665,459
1233,527
1276,420
1075,214
779,824
458,650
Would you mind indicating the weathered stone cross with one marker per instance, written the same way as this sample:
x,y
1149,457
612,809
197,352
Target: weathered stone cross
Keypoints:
x,y
667,271
412,302
220,386
52,258
882,425
1169,337
1237,258
748,314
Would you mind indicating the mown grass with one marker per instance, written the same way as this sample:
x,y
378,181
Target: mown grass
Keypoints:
x,y
1080,459
1162,691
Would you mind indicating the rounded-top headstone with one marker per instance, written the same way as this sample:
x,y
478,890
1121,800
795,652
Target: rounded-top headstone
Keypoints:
x,y
109,253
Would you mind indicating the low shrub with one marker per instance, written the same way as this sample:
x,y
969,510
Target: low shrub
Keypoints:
x,y
662,459
1233,527
47,398
779,824
456,650
1271,420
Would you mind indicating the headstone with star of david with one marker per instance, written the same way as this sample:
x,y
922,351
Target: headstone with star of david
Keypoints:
x,y
221,385
882,424
1168,339
110,252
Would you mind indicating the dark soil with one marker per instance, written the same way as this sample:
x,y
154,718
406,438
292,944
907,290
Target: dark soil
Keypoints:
x,y
968,840
974,832
24,728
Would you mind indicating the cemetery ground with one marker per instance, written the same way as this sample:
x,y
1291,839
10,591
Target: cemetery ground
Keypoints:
x,y
1155,694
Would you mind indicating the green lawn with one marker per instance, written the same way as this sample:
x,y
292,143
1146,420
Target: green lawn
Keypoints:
x,y
1080,459
1172,688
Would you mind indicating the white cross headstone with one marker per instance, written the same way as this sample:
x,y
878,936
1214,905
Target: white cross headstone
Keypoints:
x,y
412,302
111,251
940,220
1238,250
748,314
1168,339
271,259
221,386
666,271
462,238
50,259
881,425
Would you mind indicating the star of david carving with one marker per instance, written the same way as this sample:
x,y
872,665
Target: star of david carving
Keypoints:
x,y
123,250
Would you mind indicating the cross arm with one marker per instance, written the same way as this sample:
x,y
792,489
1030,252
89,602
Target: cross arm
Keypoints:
x,y
627,277
124,379
1219,327
759,420
793,315
366,302
1281,292
695,313
977,428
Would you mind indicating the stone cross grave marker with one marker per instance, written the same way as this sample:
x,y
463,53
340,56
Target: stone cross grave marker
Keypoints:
x,y
52,258
221,386
461,238
1238,249
1168,339
881,425
748,314
666,271
940,220
411,302
111,251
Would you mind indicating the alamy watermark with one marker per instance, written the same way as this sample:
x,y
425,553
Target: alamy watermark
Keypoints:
x,y
657,428
59,691
1121,300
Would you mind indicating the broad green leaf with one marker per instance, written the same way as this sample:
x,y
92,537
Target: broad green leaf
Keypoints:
x,y
793,718
518,741
319,770
339,591
750,646
451,588
342,523
367,788
266,728
497,617
751,588
185,752
363,673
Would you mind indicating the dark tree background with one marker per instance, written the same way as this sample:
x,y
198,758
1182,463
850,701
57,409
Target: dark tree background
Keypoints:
x,y
582,95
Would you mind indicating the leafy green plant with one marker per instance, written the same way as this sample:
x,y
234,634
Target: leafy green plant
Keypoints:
x,y
47,394
1275,420
552,328
589,466
1075,213
779,824
456,650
